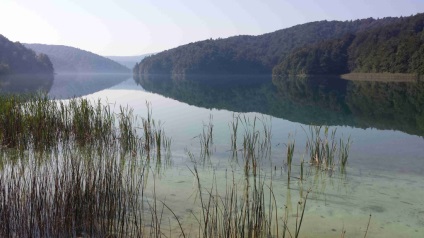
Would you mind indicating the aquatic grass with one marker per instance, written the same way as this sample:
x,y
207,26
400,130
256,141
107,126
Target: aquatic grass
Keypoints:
x,y
256,143
158,138
43,124
344,148
76,196
92,182
37,121
249,210
206,139
322,148
302,170
147,129
368,226
11,122
128,137
77,192
167,142
154,138
234,130
290,152
302,204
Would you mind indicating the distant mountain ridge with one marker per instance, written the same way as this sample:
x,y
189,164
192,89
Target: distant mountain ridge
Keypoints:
x,y
15,58
128,61
68,59
250,54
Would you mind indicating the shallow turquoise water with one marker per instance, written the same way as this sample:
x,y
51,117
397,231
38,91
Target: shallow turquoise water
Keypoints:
x,y
384,178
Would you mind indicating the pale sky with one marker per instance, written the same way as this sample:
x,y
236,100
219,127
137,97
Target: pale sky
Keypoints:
x,y
133,27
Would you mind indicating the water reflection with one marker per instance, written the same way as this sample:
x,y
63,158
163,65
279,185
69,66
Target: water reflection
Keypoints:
x,y
25,83
309,100
60,86
76,85
363,104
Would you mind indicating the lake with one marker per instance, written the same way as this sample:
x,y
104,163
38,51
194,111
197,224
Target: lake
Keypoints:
x,y
384,175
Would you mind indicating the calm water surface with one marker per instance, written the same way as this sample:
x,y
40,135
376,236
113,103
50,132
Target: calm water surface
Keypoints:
x,y
385,174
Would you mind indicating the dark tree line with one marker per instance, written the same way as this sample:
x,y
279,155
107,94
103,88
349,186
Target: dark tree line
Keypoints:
x,y
393,48
251,54
17,59
328,57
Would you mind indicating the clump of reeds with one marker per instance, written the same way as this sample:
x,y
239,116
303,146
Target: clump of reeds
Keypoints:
x,y
233,130
42,124
129,139
92,182
290,152
70,169
206,139
344,148
247,210
81,193
154,136
322,148
256,143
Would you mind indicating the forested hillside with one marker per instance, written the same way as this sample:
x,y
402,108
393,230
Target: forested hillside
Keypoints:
x,y
17,59
250,54
394,48
67,59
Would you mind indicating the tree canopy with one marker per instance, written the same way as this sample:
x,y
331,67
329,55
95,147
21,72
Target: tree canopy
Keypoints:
x,y
17,59
393,48
251,54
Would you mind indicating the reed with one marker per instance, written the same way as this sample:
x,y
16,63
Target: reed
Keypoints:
x,y
344,148
206,139
368,226
256,143
234,129
290,152
78,196
248,209
74,168
37,122
322,148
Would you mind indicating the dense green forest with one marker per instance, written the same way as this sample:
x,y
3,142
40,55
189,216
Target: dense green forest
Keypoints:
x,y
251,54
67,59
17,59
394,48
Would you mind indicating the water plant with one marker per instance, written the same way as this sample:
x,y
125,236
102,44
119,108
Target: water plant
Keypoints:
x,y
74,197
206,139
256,143
91,176
368,226
234,128
247,208
344,148
322,148
290,151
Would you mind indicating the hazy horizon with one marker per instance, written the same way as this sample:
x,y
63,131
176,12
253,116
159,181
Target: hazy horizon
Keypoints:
x,y
132,28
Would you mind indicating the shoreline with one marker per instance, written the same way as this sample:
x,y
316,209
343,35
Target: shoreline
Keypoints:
x,y
382,77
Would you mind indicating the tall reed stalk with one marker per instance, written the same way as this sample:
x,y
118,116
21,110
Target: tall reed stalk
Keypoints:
x,y
322,148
